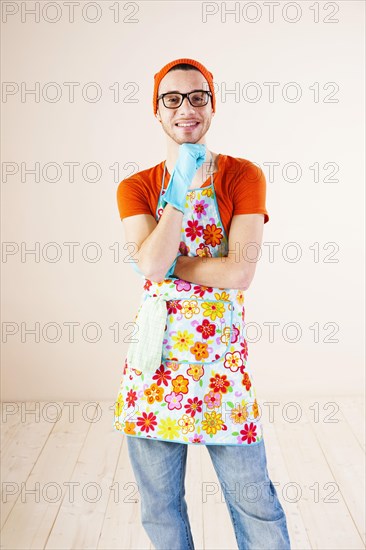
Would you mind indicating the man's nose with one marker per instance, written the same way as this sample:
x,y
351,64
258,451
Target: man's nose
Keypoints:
x,y
186,103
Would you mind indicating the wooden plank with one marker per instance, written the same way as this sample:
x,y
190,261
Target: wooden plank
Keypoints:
x,y
329,523
10,422
79,521
346,461
25,436
353,409
306,453
31,519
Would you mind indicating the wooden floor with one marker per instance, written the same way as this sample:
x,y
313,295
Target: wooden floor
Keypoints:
x,y
68,484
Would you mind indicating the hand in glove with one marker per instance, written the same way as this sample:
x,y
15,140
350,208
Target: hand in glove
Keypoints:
x,y
191,157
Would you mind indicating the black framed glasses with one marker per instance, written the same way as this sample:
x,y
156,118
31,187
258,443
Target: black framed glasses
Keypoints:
x,y
197,98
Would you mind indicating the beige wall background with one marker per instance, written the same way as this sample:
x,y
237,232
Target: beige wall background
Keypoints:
x,y
68,292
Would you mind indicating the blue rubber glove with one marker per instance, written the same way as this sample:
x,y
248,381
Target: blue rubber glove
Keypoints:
x,y
191,157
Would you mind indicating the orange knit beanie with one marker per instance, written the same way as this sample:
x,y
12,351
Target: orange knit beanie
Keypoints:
x,y
160,75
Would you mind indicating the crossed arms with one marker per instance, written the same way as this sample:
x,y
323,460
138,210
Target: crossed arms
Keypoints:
x,y
156,247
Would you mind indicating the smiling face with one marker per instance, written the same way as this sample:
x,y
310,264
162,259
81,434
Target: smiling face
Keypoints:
x,y
184,82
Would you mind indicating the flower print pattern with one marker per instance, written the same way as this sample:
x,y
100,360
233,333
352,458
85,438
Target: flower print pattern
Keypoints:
x,y
246,381
244,348
212,423
213,310
212,399
203,251
196,371
194,230
183,340
199,208
119,405
147,422
239,414
195,333
184,248
233,361
212,234
174,400
207,192
203,391
193,406
201,290
130,428
189,308
249,432
174,307
162,376
219,383
186,423
131,398
154,393
196,439
235,334
168,428
200,351
207,329
182,286
180,384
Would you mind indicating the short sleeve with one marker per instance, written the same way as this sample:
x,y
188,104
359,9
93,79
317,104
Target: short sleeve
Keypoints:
x,y
131,198
249,190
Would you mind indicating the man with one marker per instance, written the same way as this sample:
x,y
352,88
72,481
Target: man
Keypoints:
x,y
187,379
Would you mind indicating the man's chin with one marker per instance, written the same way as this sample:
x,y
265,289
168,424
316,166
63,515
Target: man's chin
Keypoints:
x,y
184,139
188,139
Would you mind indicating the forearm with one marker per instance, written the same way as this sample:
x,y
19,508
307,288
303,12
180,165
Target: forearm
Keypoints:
x,y
160,248
223,272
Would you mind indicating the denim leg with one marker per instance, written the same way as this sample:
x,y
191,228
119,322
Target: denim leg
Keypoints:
x,y
160,468
256,513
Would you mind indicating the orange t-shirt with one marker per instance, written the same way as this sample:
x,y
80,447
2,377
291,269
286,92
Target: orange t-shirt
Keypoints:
x,y
240,188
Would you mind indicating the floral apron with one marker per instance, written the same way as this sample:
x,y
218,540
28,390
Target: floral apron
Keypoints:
x,y
203,392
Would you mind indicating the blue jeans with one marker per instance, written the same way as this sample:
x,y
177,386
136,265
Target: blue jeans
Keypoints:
x,y
255,511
